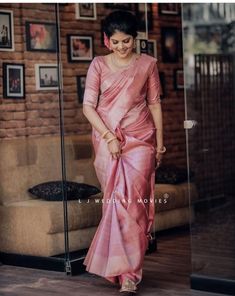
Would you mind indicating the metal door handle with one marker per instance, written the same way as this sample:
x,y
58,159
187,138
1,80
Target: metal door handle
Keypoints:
x,y
188,124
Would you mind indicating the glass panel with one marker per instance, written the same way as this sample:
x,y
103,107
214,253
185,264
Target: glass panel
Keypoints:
x,y
30,139
209,49
77,51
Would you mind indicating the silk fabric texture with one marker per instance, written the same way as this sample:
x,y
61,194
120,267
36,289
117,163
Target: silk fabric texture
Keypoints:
x,y
121,99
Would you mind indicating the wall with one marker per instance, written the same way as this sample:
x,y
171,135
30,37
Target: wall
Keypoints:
x,y
38,113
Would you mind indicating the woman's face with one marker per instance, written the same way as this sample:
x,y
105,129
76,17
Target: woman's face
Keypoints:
x,y
121,44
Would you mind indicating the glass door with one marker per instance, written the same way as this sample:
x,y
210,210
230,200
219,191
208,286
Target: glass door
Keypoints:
x,y
209,56
32,207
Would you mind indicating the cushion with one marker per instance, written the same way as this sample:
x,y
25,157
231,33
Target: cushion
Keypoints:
x,y
52,191
171,174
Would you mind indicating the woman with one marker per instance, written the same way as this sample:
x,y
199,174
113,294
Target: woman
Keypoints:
x,y
122,103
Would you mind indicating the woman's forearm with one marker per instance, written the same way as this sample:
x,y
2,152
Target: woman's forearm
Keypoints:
x,y
95,120
156,112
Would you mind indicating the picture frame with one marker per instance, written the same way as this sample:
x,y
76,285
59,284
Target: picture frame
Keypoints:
x,y
85,11
142,46
80,48
162,84
46,77
13,81
140,14
41,36
6,30
81,83
169,8
147,46
169,40
178,79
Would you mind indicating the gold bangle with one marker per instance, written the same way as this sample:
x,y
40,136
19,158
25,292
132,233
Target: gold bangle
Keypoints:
x,y
163,150
111,139
105,133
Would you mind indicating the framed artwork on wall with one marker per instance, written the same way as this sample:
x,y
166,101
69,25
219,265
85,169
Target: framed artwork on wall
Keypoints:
x,y
80,48
169,39
169,8
81,82
147,46
13,81
41,36
46,76
178,79
85,11
142,46
6,31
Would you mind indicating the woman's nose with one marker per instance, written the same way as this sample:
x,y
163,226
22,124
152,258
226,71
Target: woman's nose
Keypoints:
x,y
121,45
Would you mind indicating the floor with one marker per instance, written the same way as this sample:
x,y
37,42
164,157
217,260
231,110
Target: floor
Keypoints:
x,y
166,273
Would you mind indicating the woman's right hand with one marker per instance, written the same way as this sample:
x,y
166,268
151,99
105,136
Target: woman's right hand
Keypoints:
x,y
115,148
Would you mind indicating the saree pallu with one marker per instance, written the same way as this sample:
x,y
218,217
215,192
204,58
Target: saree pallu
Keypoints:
x,y
121,98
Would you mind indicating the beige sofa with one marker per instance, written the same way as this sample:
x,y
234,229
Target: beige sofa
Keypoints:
x,y
30,226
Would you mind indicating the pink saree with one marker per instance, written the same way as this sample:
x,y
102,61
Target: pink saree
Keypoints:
x,y
121,98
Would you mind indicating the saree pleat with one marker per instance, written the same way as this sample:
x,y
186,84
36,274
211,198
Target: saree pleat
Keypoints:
x,y
120,242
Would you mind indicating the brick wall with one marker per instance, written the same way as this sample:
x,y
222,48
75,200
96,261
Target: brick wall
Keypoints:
x,y
38,114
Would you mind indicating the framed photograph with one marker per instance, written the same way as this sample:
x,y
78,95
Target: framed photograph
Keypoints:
x,y
142,46
41,36
162,82
81,82
46,76
169,8
13,81
179,79
6,31
140,14
80,48
169,39
85,11
126,6
146,46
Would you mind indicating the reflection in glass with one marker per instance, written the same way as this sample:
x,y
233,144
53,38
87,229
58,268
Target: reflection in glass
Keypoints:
x,y
31,225
209,51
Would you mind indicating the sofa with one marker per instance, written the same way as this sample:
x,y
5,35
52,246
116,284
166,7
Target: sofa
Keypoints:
x,y
33,226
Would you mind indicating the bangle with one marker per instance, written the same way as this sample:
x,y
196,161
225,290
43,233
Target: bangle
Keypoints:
x,y
105,133
163,150
111,139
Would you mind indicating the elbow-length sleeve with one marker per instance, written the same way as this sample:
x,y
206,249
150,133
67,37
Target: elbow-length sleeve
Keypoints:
x,y
92,85
153,86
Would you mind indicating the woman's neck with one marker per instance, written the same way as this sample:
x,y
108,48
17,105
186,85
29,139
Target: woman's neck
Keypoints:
x,y
122,62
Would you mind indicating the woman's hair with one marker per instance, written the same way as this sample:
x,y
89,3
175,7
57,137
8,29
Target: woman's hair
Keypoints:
x,y
122,21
